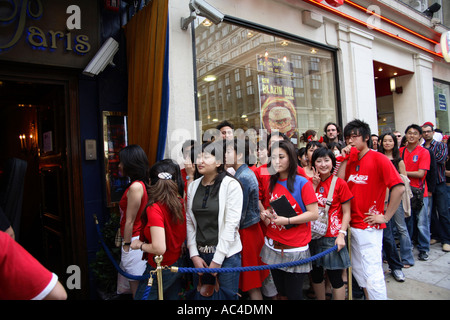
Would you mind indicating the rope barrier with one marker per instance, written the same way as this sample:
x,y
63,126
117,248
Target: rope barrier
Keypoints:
x,y
149,276
210,270
255,268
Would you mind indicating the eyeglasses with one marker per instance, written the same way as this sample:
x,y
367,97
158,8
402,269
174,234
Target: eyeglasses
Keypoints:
x,y
353,136
398,136
428,131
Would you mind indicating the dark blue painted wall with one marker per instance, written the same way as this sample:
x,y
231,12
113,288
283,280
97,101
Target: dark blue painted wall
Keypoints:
x,y
105,92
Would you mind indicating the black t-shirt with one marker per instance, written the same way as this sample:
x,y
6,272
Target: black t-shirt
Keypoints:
x,y
206,211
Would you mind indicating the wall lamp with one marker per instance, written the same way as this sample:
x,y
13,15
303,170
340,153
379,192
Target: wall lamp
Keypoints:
x,y
204,9
394,87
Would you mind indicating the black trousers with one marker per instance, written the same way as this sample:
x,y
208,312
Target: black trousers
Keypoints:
x,y
289,284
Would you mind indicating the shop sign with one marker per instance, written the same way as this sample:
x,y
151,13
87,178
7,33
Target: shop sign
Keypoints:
x,y
49,32
445,45
442,102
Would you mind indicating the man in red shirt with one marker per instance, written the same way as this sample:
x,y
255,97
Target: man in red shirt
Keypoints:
x,y
22,277
368,174
417,163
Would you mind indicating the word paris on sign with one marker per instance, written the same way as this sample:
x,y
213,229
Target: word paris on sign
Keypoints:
x,y
36,34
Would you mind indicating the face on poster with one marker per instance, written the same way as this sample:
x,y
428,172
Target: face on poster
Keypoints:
x,y
276,91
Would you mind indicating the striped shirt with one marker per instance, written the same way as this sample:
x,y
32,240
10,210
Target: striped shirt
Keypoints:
x,y
440,152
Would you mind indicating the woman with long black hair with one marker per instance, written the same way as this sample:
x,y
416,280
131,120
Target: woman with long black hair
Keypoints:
x,y
133,164
287,238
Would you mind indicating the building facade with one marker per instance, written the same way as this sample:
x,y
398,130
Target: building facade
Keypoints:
x,y
342,61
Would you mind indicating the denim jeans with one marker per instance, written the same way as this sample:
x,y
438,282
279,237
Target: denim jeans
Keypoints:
x,y
406,250
440,216
228,280
390,249
419,227
448,197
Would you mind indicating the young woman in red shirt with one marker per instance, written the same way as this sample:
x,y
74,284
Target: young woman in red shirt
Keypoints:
x,y
287,238
163,228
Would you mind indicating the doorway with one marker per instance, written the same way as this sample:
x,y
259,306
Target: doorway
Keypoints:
x,y
385,87
39,131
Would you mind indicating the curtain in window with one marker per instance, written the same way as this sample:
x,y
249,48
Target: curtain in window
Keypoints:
x,y
146,35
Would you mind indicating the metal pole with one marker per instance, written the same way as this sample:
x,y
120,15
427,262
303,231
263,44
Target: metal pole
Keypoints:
x,y
158,260
349,280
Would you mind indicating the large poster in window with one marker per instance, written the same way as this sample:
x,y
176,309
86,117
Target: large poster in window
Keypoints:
x,y
276,95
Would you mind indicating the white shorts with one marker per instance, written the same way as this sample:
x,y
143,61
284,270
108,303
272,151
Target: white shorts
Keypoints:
x,y
131,262
367,261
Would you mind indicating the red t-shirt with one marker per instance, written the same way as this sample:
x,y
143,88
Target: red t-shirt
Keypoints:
x,y
419,158
341,195
300,235
159,216
368,179
123,211
22,277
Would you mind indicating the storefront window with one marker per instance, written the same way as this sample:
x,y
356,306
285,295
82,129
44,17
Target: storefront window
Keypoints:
x,y
441,96
259,81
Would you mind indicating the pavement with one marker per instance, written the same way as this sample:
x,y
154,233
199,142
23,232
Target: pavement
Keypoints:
x,y
426,280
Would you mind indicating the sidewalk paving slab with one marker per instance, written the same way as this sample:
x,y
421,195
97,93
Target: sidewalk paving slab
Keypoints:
x,y
426,280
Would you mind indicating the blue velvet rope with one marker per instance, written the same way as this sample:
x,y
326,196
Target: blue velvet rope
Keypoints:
x,y
211,270
215,270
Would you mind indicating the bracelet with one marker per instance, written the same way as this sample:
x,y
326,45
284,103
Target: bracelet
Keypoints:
x,y
343,232
384,218
142,245
289,220
127,243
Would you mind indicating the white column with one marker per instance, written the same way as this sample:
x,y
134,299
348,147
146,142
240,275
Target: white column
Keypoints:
x,y
181,125
416,103
356,75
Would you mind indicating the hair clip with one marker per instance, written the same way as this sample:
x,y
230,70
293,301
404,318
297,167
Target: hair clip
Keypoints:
x,y
164,176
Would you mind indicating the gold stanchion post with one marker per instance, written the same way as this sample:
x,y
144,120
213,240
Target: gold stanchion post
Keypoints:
x,y
158,260
349,280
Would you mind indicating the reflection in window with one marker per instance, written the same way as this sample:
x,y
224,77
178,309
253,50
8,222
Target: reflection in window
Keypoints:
x,y
441,103
261,81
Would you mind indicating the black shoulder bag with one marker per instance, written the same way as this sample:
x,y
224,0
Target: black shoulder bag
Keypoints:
x,y
417,198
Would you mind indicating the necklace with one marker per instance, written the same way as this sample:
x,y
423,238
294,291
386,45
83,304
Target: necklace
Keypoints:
x,y
360,157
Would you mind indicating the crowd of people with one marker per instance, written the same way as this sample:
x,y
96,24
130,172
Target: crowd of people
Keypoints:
x,y
224,209
251,201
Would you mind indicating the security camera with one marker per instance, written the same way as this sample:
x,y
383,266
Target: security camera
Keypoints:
x,y
102,58
435,7
204,9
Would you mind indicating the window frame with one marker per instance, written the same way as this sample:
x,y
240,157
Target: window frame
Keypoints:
x,y
234,21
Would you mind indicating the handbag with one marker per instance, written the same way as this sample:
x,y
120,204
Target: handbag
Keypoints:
x,y
210,290
417,199
417,194
319,227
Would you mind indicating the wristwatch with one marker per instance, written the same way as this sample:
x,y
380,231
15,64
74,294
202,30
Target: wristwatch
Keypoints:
x,y
126,243
343,232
